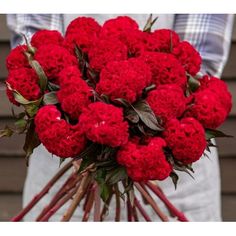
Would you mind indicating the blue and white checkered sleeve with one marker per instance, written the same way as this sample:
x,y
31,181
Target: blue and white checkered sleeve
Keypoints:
x,y
211,36
28,24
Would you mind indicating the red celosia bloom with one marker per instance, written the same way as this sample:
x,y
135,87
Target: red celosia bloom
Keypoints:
x,y
16,58
218,87
58,136
117,26
207,109
104,124
145,162
165,68
54,59
69,75
167,101
82,31
106,50
162,40
43,37
186,138
188,56
25,82
124,79
74,97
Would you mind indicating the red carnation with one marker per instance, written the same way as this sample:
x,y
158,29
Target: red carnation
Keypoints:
x,y
16,58
58,136
188,56
25,82
186,138
145,162
165,68
104,124
73,96
53,60
218,87
207,109
43,37
106,50
167,101
124,79
162,40
83,31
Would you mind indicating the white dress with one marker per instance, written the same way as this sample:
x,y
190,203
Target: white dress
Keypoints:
x,y
198,198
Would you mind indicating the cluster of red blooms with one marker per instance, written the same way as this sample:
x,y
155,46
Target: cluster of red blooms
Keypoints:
x,y
126,60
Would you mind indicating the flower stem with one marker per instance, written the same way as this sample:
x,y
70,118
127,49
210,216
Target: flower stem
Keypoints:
x,y
117,216
151,202
141,210
97,204
78,197
169,205
42,193
89,203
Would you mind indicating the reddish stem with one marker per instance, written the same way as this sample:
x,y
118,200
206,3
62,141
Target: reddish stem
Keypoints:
x,y
129,209
169,205
42,193
97,204
61,203
151,202
141,210
89,203
69,184
117,216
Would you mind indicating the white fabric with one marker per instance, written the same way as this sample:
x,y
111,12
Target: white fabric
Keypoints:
x,y
198,198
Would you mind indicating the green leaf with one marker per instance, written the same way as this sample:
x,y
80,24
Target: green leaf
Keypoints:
x,y
31,109
193,83
50,98
31,141
116,175
43,80
21,123
53,87
174,178
149,24
132,116
6,132
104,192
147,116
211,133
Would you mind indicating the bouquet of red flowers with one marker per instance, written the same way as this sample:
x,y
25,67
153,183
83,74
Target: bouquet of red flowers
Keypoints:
x,y
128,106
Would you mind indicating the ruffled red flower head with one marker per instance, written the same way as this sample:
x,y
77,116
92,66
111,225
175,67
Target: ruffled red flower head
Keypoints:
x,y
186,138
145,162
104,124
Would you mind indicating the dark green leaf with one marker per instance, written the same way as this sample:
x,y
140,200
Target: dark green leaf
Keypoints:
x,y
43,80
31,109
123,102
149,24
21,124
116,175
53,87
104,192
61,161
6,132
31,141
132,116
50,98
147,116
193,83
149,88
174,178
211,133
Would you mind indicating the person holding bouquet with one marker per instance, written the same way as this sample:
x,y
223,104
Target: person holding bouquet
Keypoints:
x,y
198,199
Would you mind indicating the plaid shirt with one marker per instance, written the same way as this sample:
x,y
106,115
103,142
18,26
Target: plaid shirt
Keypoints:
x,y
209,33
